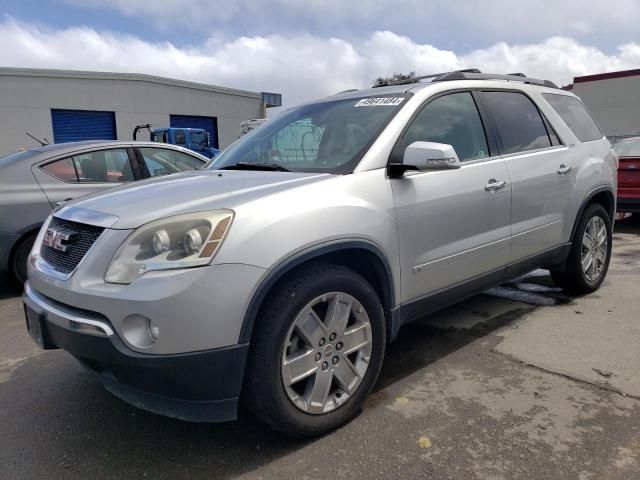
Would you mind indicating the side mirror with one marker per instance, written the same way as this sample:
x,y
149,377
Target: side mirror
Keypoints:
x,y
424,156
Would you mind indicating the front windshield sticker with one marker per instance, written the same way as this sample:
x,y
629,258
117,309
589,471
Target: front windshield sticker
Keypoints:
x,y
379,102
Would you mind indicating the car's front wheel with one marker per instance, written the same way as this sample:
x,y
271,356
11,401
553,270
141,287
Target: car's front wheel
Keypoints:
x,y
316,351
588,260
20,256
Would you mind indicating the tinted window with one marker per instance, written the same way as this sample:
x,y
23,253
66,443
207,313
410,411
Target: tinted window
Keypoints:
x,y
454,120
161,161
62,169
179,137
575,116
518,123
103,166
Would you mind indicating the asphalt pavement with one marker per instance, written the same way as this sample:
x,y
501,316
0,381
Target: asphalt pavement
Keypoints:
x,y
521,382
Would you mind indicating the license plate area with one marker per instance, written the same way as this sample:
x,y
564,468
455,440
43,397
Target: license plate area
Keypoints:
x,y
36,327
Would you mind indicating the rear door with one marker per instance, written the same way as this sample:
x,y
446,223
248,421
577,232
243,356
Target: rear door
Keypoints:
x,y
73,176
540,170
453,225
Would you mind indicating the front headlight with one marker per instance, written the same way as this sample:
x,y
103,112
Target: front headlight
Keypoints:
x,y
182,241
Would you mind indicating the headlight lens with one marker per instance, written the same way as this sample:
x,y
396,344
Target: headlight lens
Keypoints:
x,y
181,241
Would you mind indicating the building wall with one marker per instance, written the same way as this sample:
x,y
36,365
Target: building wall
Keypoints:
x,y
26,101
614,102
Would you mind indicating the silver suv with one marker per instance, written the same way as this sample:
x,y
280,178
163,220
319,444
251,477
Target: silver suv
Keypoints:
x,y
278,274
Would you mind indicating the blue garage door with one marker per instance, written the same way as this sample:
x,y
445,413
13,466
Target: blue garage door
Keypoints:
x,y
209,124
77,125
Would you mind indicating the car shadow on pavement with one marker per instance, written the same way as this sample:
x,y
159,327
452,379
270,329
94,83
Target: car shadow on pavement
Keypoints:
x,y
69,424
9,288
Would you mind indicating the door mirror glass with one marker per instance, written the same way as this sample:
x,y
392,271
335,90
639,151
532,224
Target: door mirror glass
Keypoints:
x,y
430,156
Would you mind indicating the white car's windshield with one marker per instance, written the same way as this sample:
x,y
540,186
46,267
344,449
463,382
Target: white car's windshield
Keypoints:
x,y
326,137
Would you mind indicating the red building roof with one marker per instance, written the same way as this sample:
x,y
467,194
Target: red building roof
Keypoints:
x,y
607,76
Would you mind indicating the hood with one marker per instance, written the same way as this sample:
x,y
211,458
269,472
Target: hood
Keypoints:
x,y
140,202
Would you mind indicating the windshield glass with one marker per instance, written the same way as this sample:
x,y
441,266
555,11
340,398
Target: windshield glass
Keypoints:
x,y
628,148
198,137
328,137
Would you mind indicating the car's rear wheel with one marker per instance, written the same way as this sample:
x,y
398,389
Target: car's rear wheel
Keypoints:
x,y
316,351
20,256
588,260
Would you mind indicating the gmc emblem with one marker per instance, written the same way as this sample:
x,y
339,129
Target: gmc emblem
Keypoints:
x,y
55,239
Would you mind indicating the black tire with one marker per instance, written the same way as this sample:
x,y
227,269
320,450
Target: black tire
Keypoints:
x,y
20,256
573,279
264,392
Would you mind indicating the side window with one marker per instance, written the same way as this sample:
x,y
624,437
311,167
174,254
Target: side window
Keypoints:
x,y
576,116
161,161
62,169
103,166
199,138
179,137
452,119
518,122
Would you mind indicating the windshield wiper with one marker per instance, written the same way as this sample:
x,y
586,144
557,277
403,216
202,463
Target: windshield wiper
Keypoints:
x,y
256,166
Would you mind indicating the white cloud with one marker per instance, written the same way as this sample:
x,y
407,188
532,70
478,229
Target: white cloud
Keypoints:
x,y
459,19
300,66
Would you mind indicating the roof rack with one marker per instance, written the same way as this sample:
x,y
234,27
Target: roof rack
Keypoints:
x,y
474,74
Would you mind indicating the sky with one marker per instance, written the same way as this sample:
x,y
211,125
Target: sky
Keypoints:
x,y
313,48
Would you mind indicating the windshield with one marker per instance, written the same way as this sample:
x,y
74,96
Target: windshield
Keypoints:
x,y
328,137
628,148
198,137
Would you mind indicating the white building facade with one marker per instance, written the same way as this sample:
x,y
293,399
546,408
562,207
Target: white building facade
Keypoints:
x,y
60,106
613,99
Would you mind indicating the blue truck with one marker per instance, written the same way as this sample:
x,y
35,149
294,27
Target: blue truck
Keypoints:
x,y
195,139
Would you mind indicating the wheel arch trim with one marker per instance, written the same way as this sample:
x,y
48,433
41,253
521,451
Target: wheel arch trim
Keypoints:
x,y
588,199
287,265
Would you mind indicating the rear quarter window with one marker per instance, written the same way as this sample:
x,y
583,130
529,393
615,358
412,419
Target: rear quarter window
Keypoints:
x,y
576,116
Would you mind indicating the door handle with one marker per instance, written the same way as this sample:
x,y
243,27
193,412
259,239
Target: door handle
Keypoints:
x,y
563,169
494,185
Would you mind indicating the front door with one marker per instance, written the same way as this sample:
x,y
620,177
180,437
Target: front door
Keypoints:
x,y
453,225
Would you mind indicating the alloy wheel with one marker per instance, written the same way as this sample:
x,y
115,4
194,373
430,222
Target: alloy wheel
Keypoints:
x,y
595,245
326,353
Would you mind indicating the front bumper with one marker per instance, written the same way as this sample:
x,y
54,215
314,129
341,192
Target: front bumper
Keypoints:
x,y
201,386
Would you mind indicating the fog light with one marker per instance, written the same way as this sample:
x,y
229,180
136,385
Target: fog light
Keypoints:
x,y
140,331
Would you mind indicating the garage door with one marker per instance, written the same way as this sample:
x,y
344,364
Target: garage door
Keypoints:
x,y
209,124
78,125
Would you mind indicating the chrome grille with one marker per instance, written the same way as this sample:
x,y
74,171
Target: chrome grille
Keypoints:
x,y
83,237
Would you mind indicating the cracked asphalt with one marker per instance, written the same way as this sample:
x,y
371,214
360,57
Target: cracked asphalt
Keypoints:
x,y
521,382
